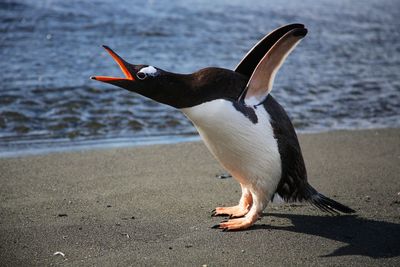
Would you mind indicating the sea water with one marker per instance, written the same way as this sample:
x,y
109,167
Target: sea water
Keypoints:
x,y
343,75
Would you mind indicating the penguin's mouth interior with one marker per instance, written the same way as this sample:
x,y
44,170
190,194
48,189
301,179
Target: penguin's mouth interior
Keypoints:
x,y
121,63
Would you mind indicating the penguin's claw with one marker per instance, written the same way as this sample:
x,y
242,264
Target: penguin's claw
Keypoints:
x,y
215,226
214,213
223,176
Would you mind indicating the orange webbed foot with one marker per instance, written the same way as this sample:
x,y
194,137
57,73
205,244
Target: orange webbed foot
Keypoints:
x,y
233,212
236,224
240,210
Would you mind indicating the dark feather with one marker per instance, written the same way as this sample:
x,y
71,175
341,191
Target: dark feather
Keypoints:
x,y
293,186
253,57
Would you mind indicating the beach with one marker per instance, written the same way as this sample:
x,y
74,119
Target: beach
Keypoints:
x,y
95,175
151,205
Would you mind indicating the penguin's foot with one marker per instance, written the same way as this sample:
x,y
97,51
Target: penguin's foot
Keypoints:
x,y
236,224
233,212
240,210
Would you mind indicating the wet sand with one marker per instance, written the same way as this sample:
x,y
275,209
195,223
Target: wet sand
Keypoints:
x,y
151,206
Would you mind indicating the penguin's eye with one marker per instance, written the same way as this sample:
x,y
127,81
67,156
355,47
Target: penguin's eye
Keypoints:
x,y
146,72
141,75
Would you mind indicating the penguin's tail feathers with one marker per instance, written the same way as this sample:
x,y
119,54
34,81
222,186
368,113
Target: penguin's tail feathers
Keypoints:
x,y
326,204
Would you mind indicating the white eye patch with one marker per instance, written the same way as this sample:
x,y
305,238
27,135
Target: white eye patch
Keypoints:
x,y
150,71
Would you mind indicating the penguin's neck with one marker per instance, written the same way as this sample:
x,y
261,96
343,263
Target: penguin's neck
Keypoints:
x,y
216,83
189,90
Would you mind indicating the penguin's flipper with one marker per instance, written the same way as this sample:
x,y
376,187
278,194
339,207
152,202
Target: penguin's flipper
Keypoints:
x,y
262,79
250,61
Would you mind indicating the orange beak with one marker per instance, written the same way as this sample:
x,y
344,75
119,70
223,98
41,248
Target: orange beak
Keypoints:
x,y
122,65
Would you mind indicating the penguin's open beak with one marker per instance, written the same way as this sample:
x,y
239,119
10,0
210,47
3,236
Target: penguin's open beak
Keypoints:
x,y
124,66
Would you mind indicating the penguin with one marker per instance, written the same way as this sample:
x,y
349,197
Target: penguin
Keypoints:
x,y
242,125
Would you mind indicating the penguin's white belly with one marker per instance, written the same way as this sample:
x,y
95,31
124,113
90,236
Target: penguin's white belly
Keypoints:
x,y
248,151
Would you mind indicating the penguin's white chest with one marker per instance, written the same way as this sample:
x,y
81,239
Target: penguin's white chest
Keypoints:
x,y
247,150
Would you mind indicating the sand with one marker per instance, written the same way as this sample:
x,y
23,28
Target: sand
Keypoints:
x,y
151,206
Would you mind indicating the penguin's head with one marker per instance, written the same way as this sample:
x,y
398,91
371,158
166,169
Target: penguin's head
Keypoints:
x,y
149,81
176,90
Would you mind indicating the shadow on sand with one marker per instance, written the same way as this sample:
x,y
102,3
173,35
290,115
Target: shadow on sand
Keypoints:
x,y
376,239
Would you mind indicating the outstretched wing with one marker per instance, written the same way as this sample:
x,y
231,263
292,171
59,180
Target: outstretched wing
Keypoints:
x,y
262,79
250,61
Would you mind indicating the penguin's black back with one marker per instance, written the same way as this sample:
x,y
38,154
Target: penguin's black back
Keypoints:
x,y
293,183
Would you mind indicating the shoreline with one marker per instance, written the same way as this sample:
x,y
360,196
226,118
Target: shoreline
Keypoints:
x,y
43,147
151,205
48,146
